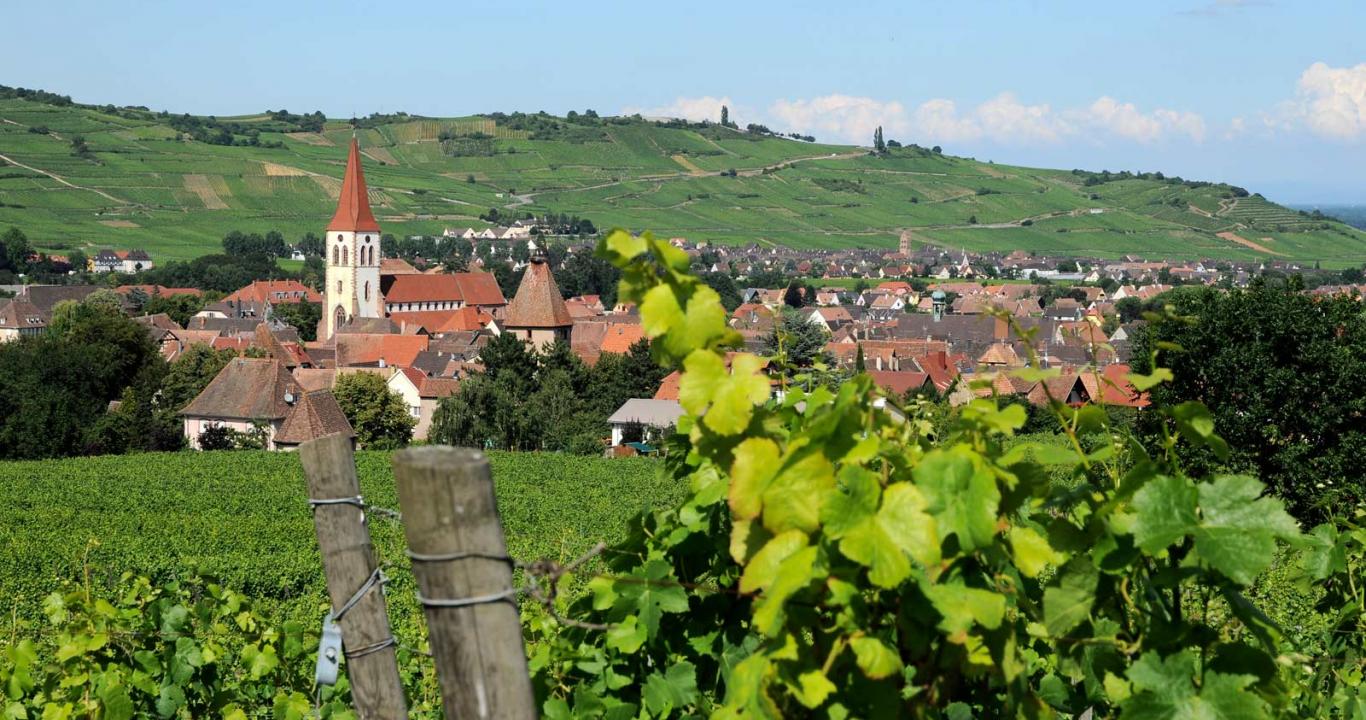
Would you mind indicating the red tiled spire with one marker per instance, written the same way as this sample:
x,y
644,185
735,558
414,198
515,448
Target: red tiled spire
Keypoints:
x,y
353,207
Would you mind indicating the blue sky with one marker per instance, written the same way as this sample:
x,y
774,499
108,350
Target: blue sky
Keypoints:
x,y
1270,94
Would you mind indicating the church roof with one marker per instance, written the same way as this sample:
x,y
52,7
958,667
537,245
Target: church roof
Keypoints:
x,y
538,303
353,207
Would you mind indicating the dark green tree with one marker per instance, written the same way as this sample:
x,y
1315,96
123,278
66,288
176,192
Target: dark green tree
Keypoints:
x,y
1284,374
302,316
800,342
376,413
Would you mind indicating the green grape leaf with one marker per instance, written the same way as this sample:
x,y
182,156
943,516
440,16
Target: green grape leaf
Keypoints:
x,y
675,688
794,497
875,659
116,702
1235,529
1238,528
756,460
1067,603
624,245
626,636
853,505
961,496
1166,512
961,607
794,573
727,398
1032,551
1144,382
660,312
1165,689
900,528
813,687
763,567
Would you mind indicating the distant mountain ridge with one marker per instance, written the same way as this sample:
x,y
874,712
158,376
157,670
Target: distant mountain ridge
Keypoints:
x,y
97,177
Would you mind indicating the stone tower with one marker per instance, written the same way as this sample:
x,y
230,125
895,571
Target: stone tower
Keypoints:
x,y
905,247
353,254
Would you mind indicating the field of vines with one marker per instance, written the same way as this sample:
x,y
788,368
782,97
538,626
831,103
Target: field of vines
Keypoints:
x,y
242,519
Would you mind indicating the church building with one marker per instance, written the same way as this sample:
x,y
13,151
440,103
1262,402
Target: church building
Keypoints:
x,y
352,250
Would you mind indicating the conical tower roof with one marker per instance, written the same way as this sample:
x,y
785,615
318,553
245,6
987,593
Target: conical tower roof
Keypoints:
x,y
538,303
353,207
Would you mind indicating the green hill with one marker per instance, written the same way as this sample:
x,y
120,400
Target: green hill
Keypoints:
x,y
142,179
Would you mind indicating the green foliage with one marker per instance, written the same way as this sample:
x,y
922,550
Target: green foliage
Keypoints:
x,y
376,413
58,385
551,400
176,650
1284,376
302,316
831,560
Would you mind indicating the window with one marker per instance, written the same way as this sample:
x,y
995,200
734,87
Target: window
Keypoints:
x,y
345,259
336,254
415,410
367,290
339,287
339,237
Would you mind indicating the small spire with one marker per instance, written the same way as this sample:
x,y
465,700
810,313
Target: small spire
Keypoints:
x,y
353,206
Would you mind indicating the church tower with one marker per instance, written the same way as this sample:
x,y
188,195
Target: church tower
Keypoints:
x,y
352,254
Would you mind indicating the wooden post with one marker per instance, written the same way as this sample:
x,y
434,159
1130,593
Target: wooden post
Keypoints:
x,y
348,562
456,541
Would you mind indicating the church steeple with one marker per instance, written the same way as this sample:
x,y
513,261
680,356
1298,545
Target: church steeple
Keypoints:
x,y
353,207
353,254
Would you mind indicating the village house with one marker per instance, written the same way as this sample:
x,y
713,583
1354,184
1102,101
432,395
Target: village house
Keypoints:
x,y
20,318
124,261
421,394
260,395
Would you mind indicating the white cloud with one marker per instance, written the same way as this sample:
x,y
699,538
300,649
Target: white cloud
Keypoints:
x,y
1125,120
1006,120
840,117
1003,119
1332,101
688,108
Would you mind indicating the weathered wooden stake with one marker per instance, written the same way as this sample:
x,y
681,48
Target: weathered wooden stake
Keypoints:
x,y
348,562
456,539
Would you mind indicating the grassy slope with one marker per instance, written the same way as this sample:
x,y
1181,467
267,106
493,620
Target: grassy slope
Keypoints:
x,y
243,517
640,176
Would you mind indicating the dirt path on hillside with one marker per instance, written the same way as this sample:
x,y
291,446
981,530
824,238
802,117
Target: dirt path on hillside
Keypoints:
x,y
64,181
1234,237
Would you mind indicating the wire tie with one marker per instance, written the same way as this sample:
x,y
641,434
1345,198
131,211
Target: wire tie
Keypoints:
x,y
446,557
372,648
356,500
377,578
467,602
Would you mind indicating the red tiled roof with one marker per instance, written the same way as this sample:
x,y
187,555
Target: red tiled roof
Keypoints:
x,y
538,303
444,321
246,389
158,290
315,414
899,381
424,288
481,288
396,266
353,207
275,291
668,388
621,336
365,349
